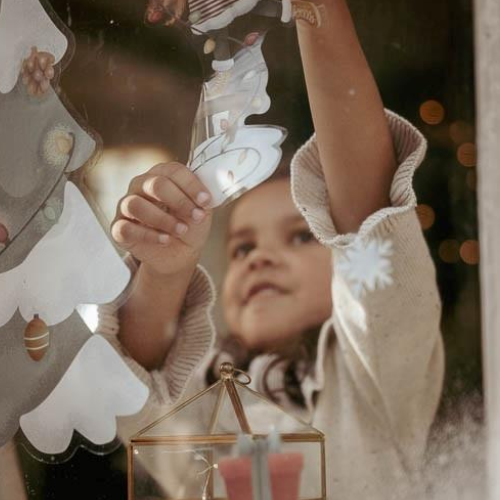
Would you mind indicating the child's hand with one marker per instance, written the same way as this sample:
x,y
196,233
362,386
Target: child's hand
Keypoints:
x,y
162,221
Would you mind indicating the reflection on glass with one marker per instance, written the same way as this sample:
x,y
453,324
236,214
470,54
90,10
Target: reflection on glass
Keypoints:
x,y
149,86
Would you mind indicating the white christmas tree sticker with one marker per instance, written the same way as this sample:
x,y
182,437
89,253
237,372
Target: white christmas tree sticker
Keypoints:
x,y
51,430
367,266
25,24
66,385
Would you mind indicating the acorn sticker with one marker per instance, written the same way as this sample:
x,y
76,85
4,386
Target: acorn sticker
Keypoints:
x,y
37,338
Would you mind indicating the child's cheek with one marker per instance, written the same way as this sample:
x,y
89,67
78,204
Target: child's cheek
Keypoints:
x,y
230,290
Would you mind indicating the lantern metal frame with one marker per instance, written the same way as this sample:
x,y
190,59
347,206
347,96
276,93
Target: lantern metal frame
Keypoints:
x,y
227,384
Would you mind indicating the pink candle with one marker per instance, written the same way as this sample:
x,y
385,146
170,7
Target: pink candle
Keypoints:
x,y
237,474
284,470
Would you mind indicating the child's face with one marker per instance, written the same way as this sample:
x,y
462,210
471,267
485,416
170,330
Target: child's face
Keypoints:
x,y
278,281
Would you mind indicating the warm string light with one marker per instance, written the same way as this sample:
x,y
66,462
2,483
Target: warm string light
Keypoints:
x,y
467,155
426,216
462,134
451,252
432,112
469,252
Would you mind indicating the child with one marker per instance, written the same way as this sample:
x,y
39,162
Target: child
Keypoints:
x,y
372,369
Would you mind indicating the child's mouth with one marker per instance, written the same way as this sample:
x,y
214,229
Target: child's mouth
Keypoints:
x,y
263,290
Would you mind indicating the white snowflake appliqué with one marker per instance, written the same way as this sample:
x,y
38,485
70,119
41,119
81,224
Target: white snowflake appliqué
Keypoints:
x,y
367,266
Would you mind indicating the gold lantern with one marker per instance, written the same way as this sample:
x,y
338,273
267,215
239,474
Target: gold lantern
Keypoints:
x,y
191,452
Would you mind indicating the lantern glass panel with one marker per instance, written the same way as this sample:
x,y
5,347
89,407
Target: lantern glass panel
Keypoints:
x,y
211,413
182,455
187,471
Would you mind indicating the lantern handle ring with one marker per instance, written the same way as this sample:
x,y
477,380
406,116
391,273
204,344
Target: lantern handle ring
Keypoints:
x,y
247,380
229,372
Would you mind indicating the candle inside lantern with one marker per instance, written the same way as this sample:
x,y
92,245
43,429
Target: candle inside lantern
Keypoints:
x,y
284,470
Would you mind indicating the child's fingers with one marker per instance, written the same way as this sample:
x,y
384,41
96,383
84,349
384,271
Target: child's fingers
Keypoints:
x,y
185,180
128,234
164,190
146,212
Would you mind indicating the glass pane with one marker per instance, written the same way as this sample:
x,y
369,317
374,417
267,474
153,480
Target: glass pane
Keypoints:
x,y
187,471
265,417
191,419
181,472
228,89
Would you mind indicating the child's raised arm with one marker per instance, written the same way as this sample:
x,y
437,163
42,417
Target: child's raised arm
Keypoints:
x,y
162,222
383,350
353,137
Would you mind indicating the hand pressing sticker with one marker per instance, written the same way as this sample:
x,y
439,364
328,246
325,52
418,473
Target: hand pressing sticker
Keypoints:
x,y
37,71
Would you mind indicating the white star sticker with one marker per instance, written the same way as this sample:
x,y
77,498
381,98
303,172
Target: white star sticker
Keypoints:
x,y
366,266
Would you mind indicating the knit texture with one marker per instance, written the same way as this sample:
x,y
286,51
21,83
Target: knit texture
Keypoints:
x,y
192,342
311,197
380,365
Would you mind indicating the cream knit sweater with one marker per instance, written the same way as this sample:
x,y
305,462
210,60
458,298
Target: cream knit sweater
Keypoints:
x,y
380,363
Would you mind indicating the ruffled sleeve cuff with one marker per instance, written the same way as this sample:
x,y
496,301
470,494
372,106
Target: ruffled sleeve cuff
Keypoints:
x,y
194,337
196,334
311,197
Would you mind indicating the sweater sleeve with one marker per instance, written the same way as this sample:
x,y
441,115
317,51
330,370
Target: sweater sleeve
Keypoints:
x,y
386,306
194,337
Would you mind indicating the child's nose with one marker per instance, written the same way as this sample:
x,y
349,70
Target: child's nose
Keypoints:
x,y
261,258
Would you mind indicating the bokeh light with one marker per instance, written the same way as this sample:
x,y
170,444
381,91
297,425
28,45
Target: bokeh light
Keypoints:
x,y
432,112
469,252
426,216
467,154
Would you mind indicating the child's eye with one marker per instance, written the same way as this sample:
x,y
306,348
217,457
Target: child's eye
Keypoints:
x,y
241,251
303,236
